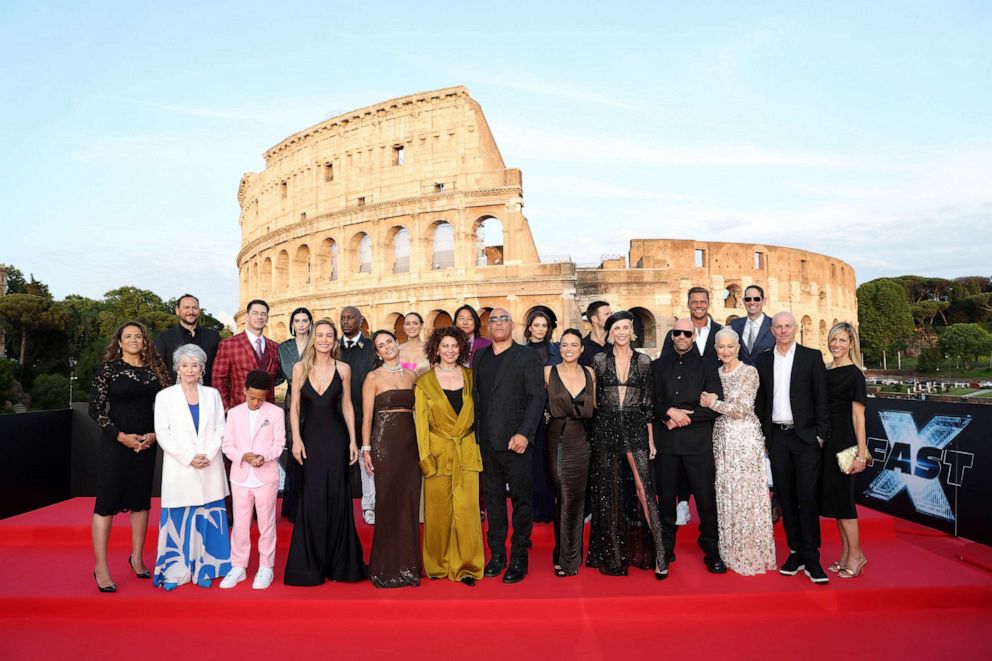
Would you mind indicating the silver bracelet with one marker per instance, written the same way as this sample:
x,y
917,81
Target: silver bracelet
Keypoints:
x,y
366,448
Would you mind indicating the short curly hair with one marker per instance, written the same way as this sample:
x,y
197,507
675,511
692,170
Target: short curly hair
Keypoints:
x,y
434,341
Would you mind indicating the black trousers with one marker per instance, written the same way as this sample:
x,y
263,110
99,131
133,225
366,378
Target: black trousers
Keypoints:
x,y
700,472
796,473
498,470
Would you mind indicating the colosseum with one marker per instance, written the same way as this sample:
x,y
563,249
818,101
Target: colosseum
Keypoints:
x,y
407,205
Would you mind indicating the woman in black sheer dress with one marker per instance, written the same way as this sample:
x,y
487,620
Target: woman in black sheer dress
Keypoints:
x,y
325,544
122,400
622,440
538,332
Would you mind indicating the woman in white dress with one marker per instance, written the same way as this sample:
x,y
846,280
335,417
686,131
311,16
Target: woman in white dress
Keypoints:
x,y
747,539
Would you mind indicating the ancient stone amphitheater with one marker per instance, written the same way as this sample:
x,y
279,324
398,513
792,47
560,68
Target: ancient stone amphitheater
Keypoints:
x,y
407,205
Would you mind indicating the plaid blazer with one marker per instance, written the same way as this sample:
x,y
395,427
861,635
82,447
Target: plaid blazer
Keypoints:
x,y
235,358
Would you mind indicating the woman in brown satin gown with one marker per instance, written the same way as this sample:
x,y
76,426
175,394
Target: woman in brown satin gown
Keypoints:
x,y
390,453
571,394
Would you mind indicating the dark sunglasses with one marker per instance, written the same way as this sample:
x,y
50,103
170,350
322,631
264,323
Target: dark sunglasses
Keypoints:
x,y
683,333
752,299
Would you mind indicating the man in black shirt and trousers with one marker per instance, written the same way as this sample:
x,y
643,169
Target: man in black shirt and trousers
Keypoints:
x,y
188,331
684,437
509,402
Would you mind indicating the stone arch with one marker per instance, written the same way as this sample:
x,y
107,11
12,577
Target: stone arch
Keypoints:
x,y
245,276
253,277
490,239
543,308
327,258
394,323
822,300
301,265
365,327
281,332
398,242
266,276
483,329
806,332
732,296
282,271
438,319
823,336
645,328
442,245
361,253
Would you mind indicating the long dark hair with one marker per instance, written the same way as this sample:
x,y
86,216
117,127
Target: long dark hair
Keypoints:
x,y
292,316
149,354
475,317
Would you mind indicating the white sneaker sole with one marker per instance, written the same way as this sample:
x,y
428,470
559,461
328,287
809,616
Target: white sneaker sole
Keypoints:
x,y
816,580
224,586
800,568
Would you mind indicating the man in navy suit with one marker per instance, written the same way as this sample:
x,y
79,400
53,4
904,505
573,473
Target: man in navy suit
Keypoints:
x,y
755,330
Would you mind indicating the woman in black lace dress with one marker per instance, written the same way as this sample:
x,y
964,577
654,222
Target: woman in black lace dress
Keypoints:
x,y
122,400
622,441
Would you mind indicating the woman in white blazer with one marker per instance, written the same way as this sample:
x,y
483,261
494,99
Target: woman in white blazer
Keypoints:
x,y
193,543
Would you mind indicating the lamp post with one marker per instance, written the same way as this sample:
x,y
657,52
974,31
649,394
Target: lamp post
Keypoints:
x,y
72,377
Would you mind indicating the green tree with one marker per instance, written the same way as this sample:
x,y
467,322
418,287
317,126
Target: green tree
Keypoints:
x,y
130,303
50,391
15,280
930,361
965,341
28,314
886,320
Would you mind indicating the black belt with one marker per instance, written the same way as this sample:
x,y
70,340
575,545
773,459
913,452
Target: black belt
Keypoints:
x,y
784,427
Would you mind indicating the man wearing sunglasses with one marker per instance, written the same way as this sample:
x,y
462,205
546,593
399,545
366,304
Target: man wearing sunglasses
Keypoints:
x,y
755,330
684,437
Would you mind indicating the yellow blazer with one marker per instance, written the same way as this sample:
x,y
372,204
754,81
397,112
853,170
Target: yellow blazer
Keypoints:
x,y
446,442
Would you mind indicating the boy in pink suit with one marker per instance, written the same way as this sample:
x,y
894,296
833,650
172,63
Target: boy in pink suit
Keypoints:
x,y
254,438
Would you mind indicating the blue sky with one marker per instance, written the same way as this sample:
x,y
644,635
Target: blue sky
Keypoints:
x,y
863,132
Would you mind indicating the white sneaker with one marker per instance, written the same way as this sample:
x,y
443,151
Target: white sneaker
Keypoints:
x,y
682,515
263,579
369,516
235,576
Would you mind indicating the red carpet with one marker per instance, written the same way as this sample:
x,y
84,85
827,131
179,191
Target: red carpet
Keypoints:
x,y
916,599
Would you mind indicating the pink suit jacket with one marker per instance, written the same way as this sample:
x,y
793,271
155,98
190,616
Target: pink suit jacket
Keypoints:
x,y
268,441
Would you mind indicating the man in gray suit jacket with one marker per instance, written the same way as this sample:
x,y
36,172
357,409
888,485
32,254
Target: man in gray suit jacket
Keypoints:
x,y
755,330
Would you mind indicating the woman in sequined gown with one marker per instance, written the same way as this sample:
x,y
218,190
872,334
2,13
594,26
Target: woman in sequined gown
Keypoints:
x,y
621,438
389,451
747,541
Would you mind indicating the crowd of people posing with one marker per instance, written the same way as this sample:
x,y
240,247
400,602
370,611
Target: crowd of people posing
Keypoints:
x,y
443,430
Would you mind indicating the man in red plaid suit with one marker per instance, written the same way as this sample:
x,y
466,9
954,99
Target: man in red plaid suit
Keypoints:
x,y
244,352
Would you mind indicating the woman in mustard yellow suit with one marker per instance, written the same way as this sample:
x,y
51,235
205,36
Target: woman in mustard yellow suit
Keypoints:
x,y
450,460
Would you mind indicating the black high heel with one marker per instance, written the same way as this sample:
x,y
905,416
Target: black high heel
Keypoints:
x,y
110,588
143,574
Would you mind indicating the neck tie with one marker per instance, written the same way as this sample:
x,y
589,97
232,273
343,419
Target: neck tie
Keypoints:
x,y
751,335
258,346
350,344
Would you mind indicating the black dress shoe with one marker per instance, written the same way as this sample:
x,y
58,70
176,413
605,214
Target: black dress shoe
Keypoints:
x,y
495,565
716,566
469,581
815,573
661,575
792,566
515,572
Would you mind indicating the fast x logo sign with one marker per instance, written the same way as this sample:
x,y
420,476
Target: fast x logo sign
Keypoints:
x,y
913,460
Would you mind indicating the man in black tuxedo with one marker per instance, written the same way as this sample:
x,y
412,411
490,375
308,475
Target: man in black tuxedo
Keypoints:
x,y
509,402
706,328
357,351
792,406
684,438
755,330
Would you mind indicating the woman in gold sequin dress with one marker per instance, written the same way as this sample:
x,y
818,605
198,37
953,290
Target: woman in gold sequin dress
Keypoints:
x,y
747,541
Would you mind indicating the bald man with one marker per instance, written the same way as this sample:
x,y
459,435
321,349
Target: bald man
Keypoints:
x,y
358,352
792,407
509,402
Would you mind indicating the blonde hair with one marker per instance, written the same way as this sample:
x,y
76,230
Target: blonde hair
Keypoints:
x,y
854,351
310,353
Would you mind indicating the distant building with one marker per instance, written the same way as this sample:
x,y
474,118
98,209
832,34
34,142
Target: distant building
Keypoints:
x,y
407,205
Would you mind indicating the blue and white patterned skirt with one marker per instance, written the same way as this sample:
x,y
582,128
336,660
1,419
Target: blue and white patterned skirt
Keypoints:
x,y
193,545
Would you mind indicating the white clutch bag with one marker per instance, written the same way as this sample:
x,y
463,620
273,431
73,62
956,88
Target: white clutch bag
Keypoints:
x,y
845,459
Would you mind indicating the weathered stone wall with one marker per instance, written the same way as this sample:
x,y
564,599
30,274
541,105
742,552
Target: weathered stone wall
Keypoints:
x,y
386,208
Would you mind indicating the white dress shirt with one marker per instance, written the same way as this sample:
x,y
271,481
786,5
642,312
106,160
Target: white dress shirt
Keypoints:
x,y
702,335
254,344
782,375
751,329
252,480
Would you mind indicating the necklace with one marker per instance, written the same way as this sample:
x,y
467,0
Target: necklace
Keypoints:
x,y
447,369
394,370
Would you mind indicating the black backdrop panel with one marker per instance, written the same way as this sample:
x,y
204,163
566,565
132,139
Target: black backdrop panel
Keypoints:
x,y
36,460
933,465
